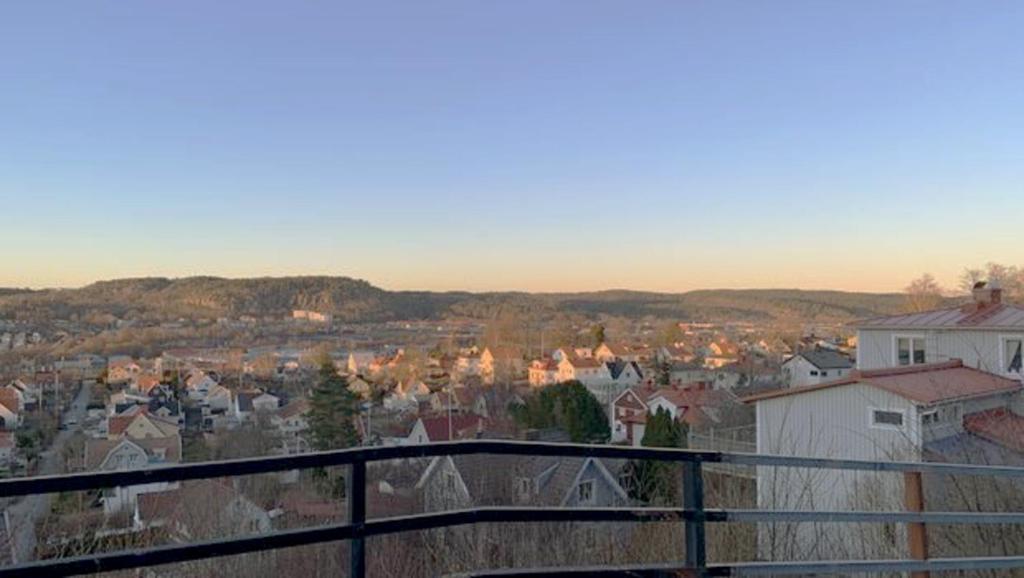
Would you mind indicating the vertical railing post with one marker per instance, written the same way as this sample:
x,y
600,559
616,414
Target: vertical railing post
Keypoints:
x,y
357,518
693,500
917,536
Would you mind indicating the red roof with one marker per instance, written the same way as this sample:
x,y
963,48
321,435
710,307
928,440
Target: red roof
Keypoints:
x,y
926,384
584,362
9,399
998,425
463,426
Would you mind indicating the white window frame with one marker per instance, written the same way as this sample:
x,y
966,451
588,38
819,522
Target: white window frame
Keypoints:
x,y
1002,351
912,337
929,413
874,425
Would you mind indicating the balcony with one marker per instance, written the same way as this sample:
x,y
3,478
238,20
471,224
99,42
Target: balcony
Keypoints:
x,y
691,521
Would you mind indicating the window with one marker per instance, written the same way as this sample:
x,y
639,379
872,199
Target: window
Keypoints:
x,y
814,372
1012,354
884,418
449,483
524,488
910,350
930,417
824,374
585,492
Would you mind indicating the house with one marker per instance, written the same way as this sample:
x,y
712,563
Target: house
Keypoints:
x,y
445,428
628,415
697,405
200,509
312,316
292,419
615,352
462,481
985,333
121,369
198,384
467,363
815,366
128,454
219,399
625,373
687,372
895,413
145,383
457,399
503,363
407,396
18,392
252,401
674,353
359,362
137,423
584,370
10,414
28,393
543,372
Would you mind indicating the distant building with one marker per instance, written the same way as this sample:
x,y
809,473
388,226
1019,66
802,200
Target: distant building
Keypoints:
x,y
313,316
815,366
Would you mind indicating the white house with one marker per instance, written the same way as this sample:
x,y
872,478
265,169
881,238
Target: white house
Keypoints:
x,y
129,454
986,334
359,362
889,414
815,366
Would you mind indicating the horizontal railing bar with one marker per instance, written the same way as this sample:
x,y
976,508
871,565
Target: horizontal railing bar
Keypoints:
x,y
763,568
940,518
262,465
863,465
160,555
674,569
857,566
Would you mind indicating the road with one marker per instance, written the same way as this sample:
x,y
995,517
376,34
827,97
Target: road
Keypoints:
x,y
27,512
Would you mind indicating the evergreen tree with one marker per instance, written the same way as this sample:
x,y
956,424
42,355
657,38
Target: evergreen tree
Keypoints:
x,y
333,410
597,332
664,373
654,481
568,406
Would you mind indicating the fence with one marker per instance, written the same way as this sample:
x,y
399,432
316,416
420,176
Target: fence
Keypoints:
x,y
693,515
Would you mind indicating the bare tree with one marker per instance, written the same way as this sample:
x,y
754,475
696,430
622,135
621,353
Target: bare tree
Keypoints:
x,y
923,294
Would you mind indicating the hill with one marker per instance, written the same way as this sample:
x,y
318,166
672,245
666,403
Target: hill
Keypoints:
x,y
353,300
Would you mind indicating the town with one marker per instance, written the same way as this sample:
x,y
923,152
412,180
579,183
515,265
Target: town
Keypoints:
x,y
928,385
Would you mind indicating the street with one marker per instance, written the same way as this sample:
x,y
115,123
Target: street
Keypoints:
x,y
26,513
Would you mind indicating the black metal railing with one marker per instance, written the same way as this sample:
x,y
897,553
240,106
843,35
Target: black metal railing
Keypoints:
x,y
693,515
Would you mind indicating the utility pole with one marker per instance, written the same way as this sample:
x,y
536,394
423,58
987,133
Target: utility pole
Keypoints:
x,y
451,391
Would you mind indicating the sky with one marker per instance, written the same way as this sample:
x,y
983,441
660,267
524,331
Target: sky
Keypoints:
x,y
527,144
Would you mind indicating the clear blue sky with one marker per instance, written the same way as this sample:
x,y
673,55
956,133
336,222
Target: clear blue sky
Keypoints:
x,y
521,144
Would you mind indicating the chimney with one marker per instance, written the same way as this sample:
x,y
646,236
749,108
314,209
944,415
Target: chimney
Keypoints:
x,y
986,294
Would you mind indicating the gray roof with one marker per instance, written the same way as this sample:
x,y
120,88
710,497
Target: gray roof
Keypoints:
x,y
967,448
617,367
1001,316
827,359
